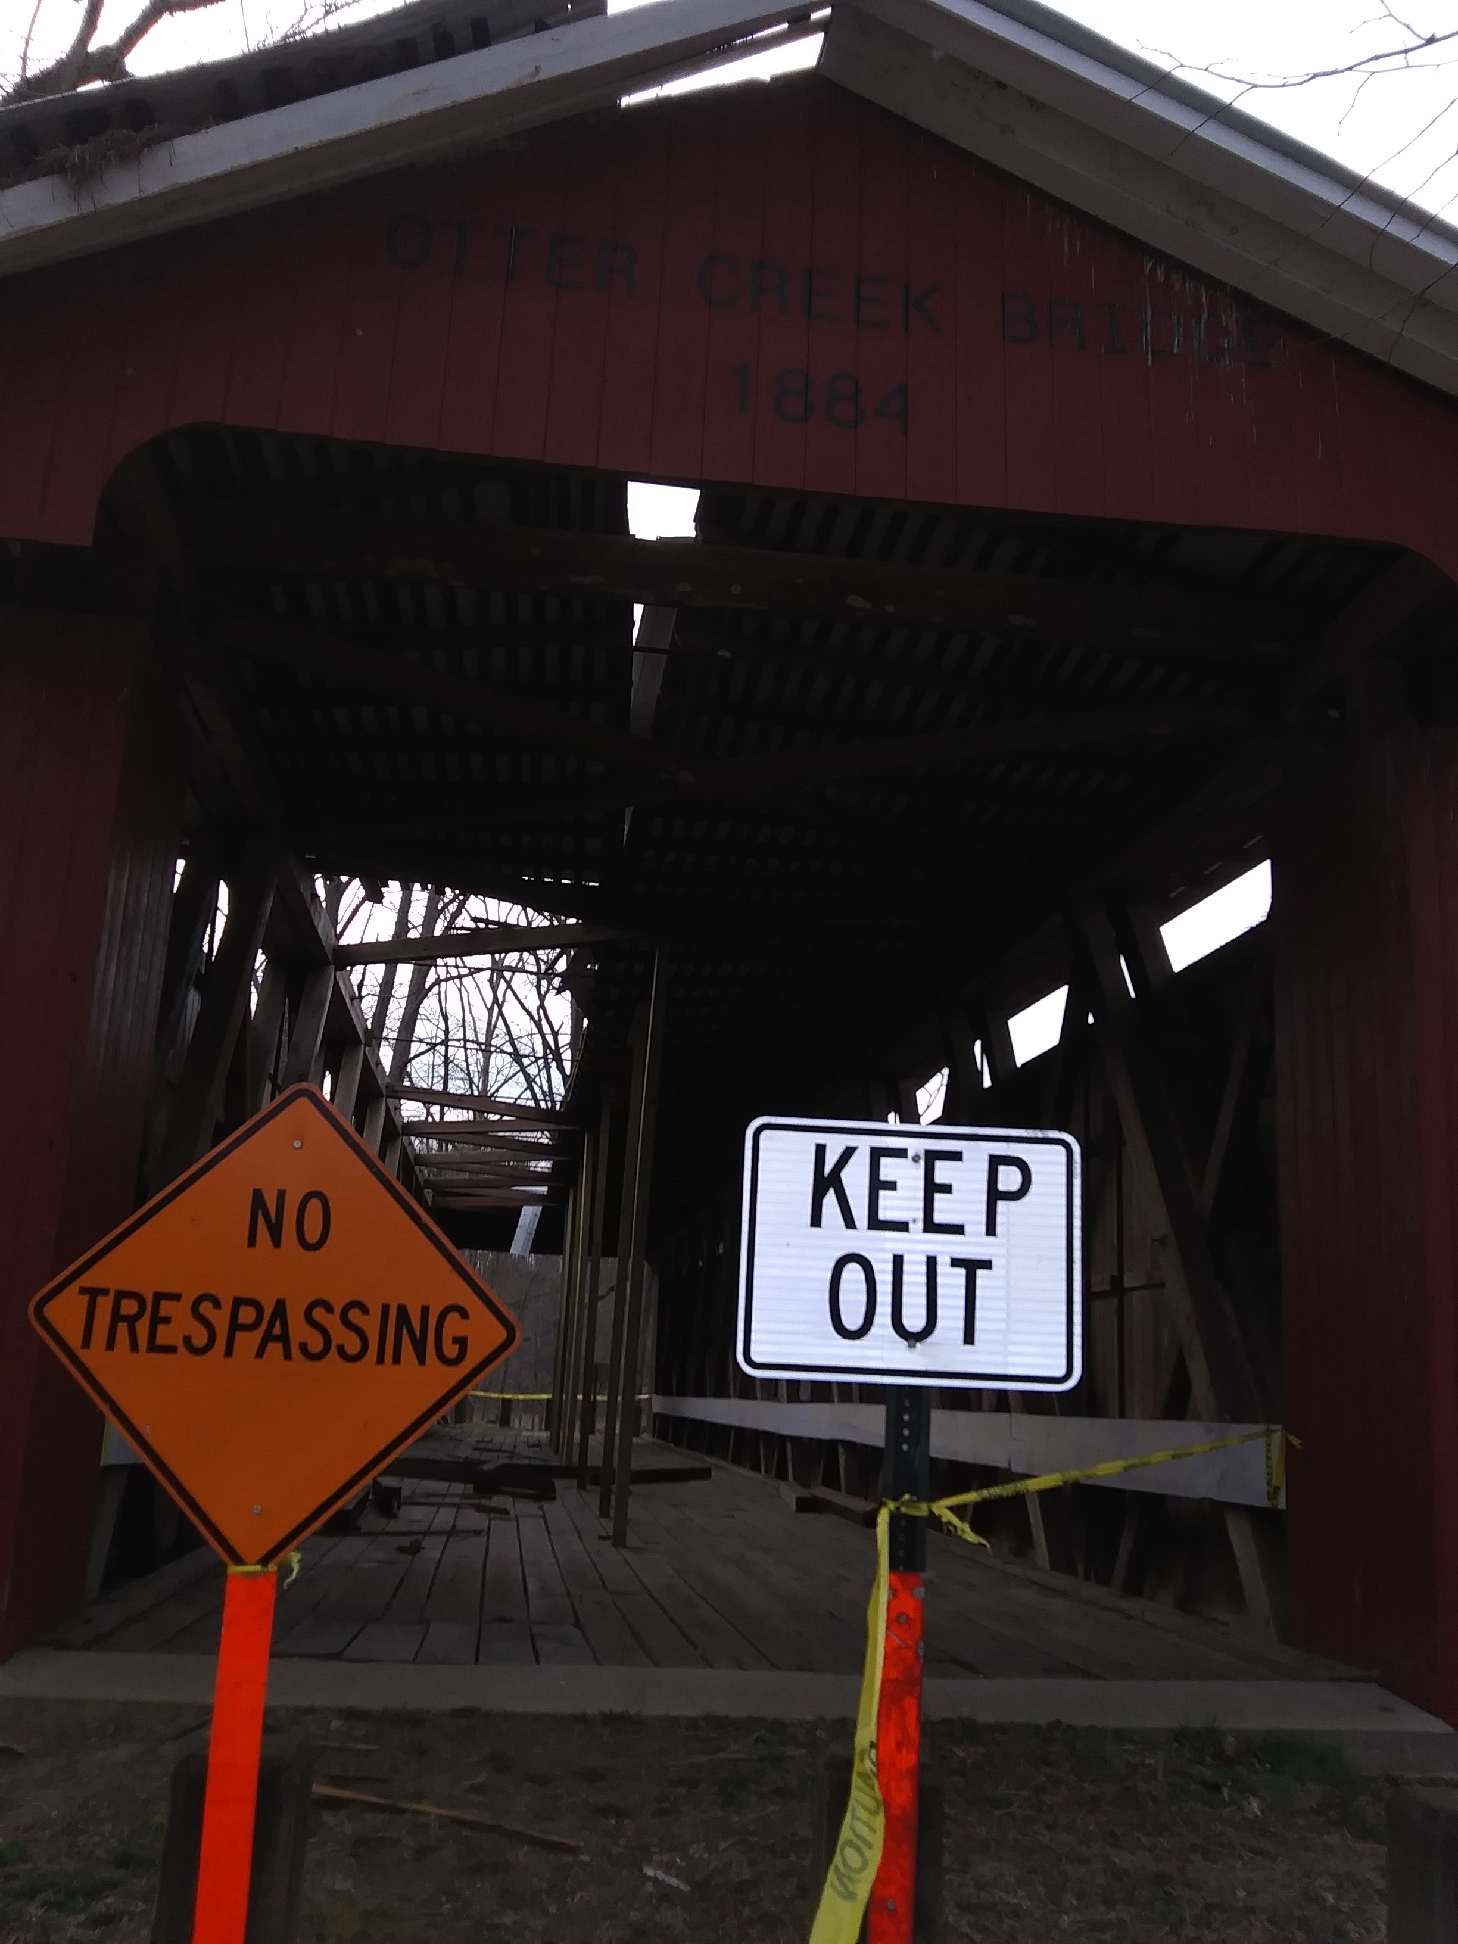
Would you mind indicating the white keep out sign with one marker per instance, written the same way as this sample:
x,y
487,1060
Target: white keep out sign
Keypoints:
x,y
879,1253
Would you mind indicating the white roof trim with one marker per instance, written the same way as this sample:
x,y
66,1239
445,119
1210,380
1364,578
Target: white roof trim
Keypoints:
x,y
400,119
1211,192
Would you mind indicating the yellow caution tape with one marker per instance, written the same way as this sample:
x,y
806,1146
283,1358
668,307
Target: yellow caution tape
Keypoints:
x,y
858,1849
293,1561
857,1855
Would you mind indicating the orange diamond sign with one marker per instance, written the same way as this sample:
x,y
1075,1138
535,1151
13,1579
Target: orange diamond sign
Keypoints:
x,y
274,1327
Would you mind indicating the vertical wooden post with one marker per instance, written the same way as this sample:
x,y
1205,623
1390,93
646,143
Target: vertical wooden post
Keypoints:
x,y
305,1058
224,1010
592,1275
625,1222
572,1390
557,1387
638,1177
346,1081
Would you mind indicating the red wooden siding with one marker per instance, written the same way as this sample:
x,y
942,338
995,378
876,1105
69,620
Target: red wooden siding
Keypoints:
x,y
1366,927
740,288
88,812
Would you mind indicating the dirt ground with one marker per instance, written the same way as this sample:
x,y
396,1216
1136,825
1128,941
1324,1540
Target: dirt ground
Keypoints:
x,y
706,1830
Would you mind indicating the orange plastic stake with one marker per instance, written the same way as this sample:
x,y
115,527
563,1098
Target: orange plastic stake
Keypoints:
x,y
891,1916
236,1744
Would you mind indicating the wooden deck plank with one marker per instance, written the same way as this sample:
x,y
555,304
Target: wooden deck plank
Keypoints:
x,y
386,1640
365,1589
721,1574
157,1630
719,1642
317,1638
581,1508
664,1643
504,1599
547,1601
574,1562
107,1616
449,1643
612,1640
412,1596
455,1592
506,1641
562,1647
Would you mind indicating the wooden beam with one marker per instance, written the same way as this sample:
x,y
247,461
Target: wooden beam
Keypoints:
x,y
1221,1375
617,1471
481,1169
194,904
591,1295
503,1198
486,1134
1396,597
504,1110
346,1079
665,776
484,941
357,665
688,573
224,1011
374,1123
304,1060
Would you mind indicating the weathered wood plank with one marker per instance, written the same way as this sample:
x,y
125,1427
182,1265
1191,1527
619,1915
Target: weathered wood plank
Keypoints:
x,y
562,1647
449,1643
506,1642
387,1640
504,1597
547,1600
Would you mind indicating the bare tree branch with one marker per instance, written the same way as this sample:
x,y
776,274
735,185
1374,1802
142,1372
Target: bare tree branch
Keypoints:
x,y
83,62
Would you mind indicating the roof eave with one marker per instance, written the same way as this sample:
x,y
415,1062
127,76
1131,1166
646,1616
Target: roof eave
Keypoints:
x,y
1180,179
418,116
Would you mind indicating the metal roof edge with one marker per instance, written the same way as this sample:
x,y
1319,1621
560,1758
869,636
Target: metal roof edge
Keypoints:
x,y
1164,167
415,116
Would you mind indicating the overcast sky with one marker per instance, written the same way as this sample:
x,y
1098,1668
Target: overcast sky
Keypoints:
x,y
1385,132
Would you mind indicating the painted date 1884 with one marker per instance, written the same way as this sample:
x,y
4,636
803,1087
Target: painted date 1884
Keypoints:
x,y
837,399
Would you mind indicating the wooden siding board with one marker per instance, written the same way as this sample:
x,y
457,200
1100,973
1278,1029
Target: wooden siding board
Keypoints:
x,y
680,378
89,816
982,431
721,280
205,343
630,352
429,236
525,372
366,353
264,298
587,264
933,436
881,441
316,328
302,319
836,402
149,333
1028,365
1367,1150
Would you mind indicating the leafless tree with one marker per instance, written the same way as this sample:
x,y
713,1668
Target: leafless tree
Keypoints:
x,y
87,60
500,1026
1401,48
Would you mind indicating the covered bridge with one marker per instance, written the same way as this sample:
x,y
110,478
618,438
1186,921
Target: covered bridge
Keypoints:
x,y
1078,468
